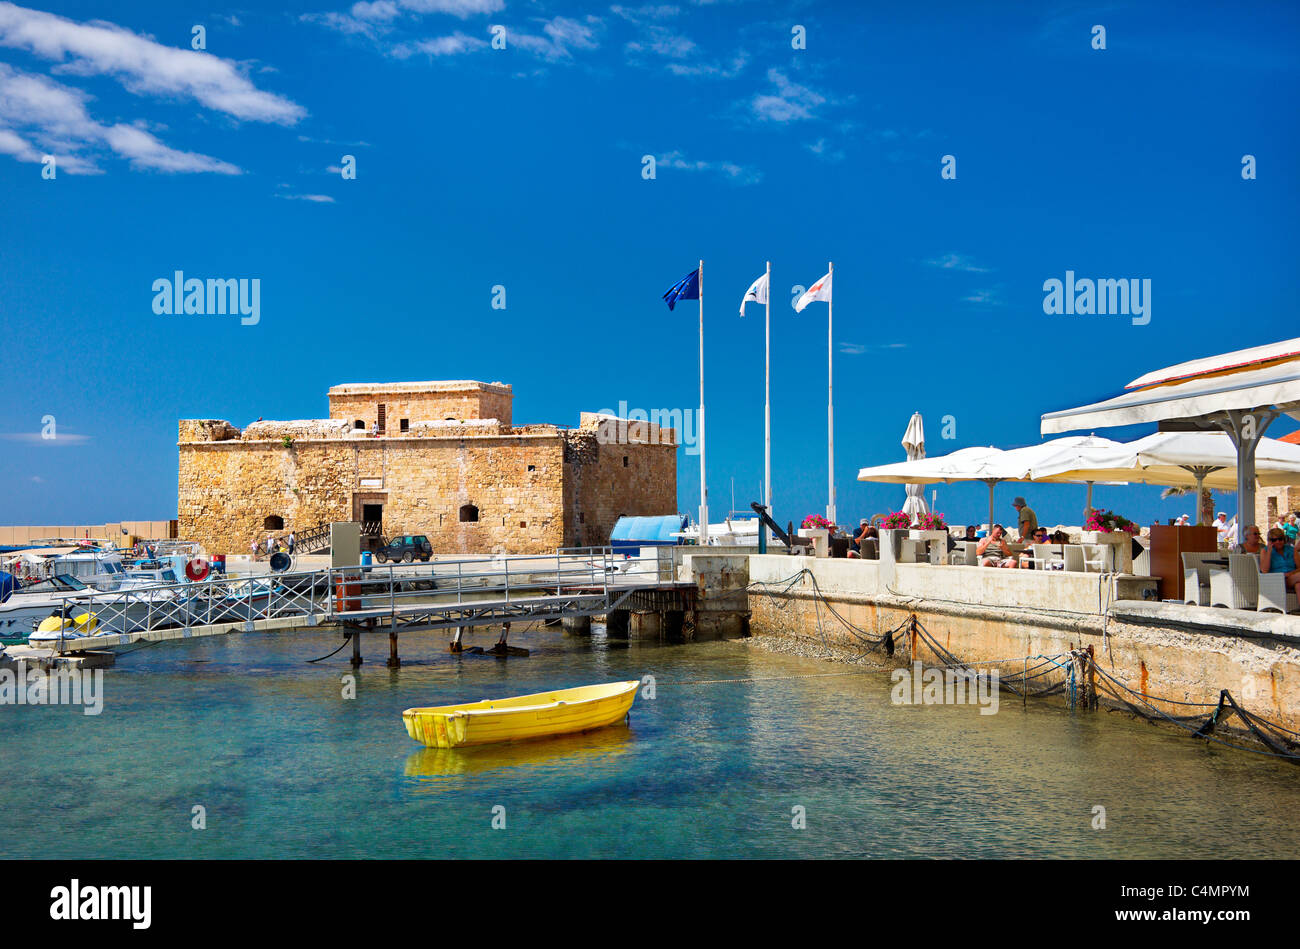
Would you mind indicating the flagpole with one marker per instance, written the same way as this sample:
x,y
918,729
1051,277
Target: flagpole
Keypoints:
x,y
704,491
830,400
767,399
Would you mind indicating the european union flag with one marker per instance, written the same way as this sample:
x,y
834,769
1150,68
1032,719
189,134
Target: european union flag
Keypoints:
x,y
688,288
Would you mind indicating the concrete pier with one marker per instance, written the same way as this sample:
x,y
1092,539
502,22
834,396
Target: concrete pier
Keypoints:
x,y
576,625
722,601
645,624
616,623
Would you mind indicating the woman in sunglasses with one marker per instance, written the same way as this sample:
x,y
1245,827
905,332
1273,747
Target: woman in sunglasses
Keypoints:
x,y
1253,544
1279,557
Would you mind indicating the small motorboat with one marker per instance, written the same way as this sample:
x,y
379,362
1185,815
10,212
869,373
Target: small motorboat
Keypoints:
x,y
521,717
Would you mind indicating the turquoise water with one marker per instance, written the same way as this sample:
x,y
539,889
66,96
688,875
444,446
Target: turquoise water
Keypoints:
x,y
285,767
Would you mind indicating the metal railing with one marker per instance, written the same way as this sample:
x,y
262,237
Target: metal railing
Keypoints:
x,y
540,583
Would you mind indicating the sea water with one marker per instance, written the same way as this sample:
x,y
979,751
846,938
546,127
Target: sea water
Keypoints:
x,y
238,747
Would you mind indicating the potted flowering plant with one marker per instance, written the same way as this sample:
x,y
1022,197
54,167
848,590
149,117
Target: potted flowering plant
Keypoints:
x,y
933,522
898,521
1108,522
819,530
1116,532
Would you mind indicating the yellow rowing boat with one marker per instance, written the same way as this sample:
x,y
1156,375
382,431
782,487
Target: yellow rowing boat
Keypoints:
x,y
521,717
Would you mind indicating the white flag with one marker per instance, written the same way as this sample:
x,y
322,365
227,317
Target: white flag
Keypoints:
x,y
757,292
821,290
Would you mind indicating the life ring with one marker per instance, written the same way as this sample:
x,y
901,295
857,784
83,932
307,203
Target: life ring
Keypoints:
x,y
197,569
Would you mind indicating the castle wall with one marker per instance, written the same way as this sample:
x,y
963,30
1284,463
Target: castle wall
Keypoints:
x,y
420,402
227,489
600,486
535,488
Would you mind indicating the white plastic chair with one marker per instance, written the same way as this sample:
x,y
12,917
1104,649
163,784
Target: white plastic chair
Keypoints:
x,y
1096,557
1196,578
1236,588
1047,554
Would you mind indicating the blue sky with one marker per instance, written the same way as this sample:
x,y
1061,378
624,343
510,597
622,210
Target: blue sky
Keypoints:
x,y
522,167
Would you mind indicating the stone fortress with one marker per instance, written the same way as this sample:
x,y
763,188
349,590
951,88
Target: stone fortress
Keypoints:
x,y
437,458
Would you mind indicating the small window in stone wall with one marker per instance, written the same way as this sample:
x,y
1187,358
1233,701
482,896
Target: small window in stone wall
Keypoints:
x,y
625,461
532,467
359,423
523,523
406,424
468,513
273,523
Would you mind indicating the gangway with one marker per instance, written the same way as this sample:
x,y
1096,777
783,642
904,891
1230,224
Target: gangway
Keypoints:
x,y
458,594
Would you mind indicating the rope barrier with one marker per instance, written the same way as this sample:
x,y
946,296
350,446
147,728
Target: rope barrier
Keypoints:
x,y
1276,743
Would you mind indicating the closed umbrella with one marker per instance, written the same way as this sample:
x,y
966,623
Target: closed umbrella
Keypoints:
x,y
914,444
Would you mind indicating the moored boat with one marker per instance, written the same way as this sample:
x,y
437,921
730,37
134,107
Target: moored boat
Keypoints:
x,y
521,717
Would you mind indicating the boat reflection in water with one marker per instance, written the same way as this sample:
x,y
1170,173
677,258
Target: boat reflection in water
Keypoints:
x,y
590,751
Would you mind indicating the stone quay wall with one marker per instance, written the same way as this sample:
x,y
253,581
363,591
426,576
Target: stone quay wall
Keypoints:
x,y
1160,651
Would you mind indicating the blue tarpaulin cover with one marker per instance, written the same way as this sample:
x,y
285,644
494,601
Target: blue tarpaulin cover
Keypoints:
x,y
632,532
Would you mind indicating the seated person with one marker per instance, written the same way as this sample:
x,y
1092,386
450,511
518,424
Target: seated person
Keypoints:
x,y
953,541
993,551
1060,537
855,547
1279,557
1027,556
1291,526
1253,544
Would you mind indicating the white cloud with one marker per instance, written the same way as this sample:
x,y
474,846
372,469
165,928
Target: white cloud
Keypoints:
x,y
857,349
315,198
451,45
787,102
985,298
377,16
957,262
561,36
36,438
823,150
727,71
739,174
55,116
142,65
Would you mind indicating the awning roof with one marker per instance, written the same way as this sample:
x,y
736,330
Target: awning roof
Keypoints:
x,y
1244,380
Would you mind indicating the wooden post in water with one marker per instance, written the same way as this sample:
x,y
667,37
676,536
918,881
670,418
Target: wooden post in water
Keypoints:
x,y
394,661
356,646
455,644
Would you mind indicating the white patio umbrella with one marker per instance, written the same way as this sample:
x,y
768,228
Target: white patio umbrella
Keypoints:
x,y
989,465
914,443
1202,459
1239,393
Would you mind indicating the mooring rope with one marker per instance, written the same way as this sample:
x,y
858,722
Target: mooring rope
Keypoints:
x,y
346,639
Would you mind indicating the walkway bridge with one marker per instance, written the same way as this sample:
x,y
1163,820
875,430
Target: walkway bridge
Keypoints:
x,y
570,585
